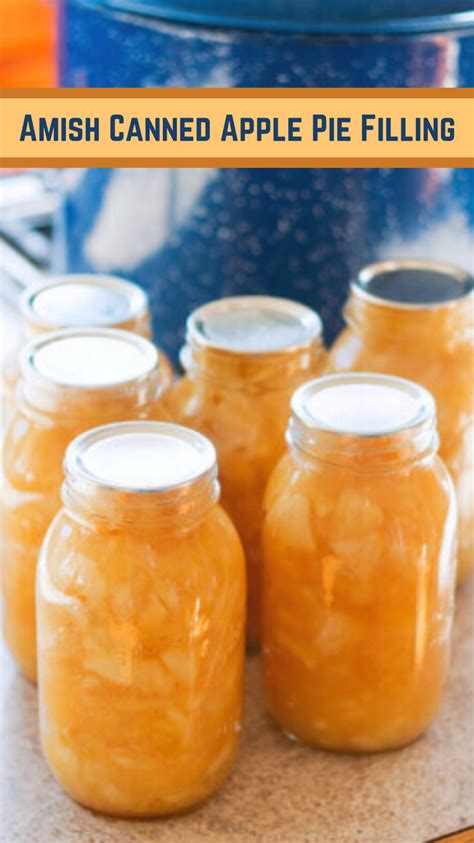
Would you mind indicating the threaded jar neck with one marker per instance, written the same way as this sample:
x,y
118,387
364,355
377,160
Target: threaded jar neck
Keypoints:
x,y
94,372
365,422
254,341
425,302
85,300
143,475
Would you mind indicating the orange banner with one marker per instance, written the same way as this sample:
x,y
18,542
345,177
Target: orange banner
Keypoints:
x,y
237,127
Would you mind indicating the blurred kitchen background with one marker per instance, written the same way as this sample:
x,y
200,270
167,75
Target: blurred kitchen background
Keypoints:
x,y
190,235
29,202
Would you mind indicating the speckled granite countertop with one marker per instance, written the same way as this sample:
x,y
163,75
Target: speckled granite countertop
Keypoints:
x,y
280,792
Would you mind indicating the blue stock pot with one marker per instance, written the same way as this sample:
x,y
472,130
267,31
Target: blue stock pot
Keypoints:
x,y
190,235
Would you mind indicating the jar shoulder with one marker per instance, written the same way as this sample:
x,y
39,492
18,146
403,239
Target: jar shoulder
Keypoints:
x,y
424,491
78,554
10,371
235,420
358,537
33,451
432,364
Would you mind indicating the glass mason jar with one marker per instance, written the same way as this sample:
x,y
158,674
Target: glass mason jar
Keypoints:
x,y
73,301
72,380
244,358
415,319
141,609
359,567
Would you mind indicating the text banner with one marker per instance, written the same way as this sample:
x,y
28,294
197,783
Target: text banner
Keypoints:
x,y
328,127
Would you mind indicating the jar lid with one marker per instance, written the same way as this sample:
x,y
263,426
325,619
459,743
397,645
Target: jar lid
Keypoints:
x,y
309,16
88,358
141,456
67,301
253,325
413,284
362,405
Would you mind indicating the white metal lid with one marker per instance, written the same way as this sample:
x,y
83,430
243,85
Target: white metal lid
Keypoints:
x,y
75,300
88,358
413,284
253,325
362,404
141,456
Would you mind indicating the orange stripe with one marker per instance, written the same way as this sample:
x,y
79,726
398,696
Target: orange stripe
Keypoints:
x,y
251,163
235,93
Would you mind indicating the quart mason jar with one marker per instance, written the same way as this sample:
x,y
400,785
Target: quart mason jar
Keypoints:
x,y
73,301
359,566
72,380
244,358
141,610
415,319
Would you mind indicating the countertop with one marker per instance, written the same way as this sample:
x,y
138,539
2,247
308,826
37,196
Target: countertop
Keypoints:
x,y
280,791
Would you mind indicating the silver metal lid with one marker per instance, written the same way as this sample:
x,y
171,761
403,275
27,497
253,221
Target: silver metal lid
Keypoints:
x,y
413,284
253,325
66,301
362,405
88,358
141,457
